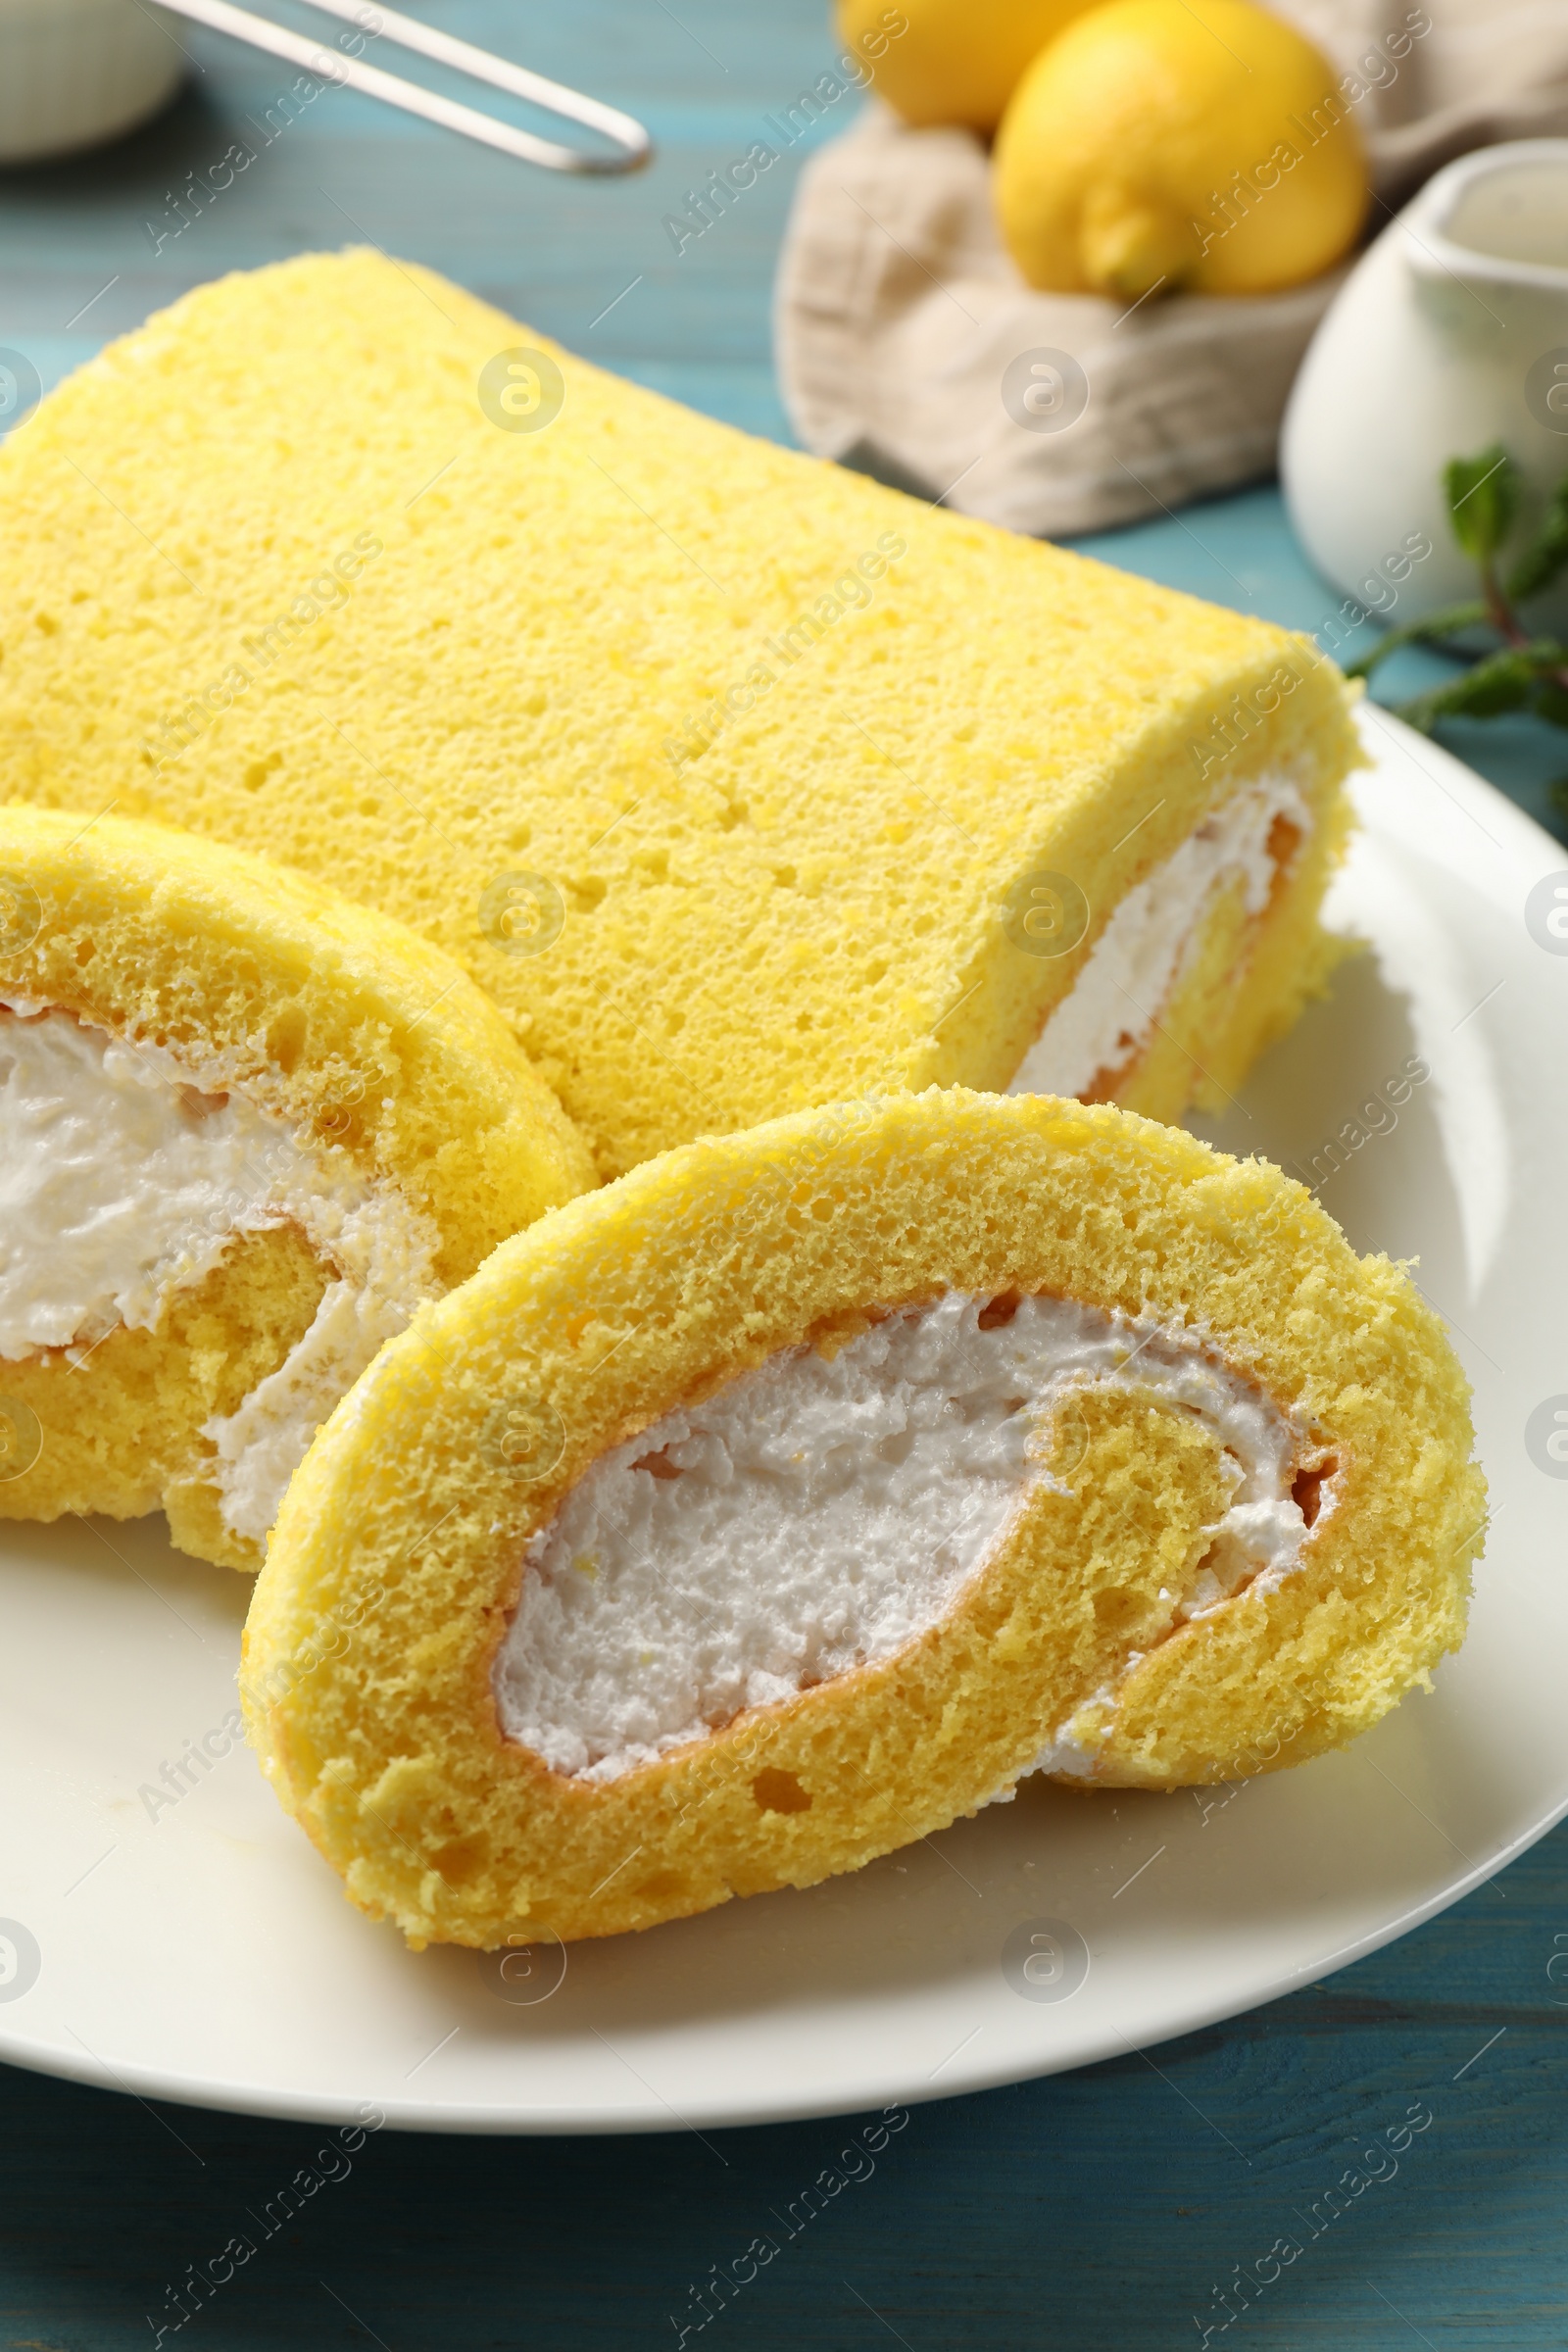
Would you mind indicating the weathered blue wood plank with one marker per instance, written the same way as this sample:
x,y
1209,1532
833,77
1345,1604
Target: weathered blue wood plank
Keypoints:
x,y
338,169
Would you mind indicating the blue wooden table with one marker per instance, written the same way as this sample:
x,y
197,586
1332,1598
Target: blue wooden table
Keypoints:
x,y
1107,2209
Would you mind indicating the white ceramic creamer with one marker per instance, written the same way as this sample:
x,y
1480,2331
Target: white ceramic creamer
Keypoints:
x,y
1450,333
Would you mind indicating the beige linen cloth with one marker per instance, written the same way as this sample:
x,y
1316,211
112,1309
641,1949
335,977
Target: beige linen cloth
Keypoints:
x,y
909,345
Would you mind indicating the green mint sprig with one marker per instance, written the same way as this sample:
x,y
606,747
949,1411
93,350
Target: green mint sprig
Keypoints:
x,y
1518,671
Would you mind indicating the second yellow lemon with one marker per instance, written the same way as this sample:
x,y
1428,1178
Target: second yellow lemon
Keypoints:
x,y
954,61
1159,144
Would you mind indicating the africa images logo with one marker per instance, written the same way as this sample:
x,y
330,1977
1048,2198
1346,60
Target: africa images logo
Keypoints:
x,y
19,1960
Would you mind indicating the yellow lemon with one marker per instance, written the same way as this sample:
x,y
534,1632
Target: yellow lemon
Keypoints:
x,y
1166,143
952,60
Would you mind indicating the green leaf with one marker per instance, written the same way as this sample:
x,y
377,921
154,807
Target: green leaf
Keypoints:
x,y
1448,624
1483,500
1547,553
1552,703
1504,681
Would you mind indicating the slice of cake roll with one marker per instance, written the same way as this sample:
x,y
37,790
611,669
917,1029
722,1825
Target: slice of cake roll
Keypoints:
x,y
740,782
245,1129
801,1492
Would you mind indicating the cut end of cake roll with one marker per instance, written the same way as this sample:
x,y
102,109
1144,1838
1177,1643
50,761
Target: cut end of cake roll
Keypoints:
x,y
246,1129
799,1494
740,781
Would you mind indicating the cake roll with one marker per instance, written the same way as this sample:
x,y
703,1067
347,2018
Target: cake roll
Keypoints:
x,y
804,1490
742,782
246,1128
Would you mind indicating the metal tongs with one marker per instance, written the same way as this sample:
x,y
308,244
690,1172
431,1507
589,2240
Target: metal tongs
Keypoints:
x,y
631,140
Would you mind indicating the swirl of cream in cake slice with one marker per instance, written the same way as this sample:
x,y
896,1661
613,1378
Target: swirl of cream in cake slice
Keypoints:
x,y
1154,934
126,1171
818,1513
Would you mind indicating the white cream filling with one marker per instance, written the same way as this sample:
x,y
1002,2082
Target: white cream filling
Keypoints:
x,y
1142,954
816,1515
122,1181
382,1254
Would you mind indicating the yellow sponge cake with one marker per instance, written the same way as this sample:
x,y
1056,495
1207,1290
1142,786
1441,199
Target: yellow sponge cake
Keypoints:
x,y
245,1129
798,1493
740,782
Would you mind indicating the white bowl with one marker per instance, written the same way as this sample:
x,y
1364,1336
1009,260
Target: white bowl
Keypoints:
x,y
75,73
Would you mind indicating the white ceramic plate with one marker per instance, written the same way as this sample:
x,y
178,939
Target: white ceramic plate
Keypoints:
x,y
201,1951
